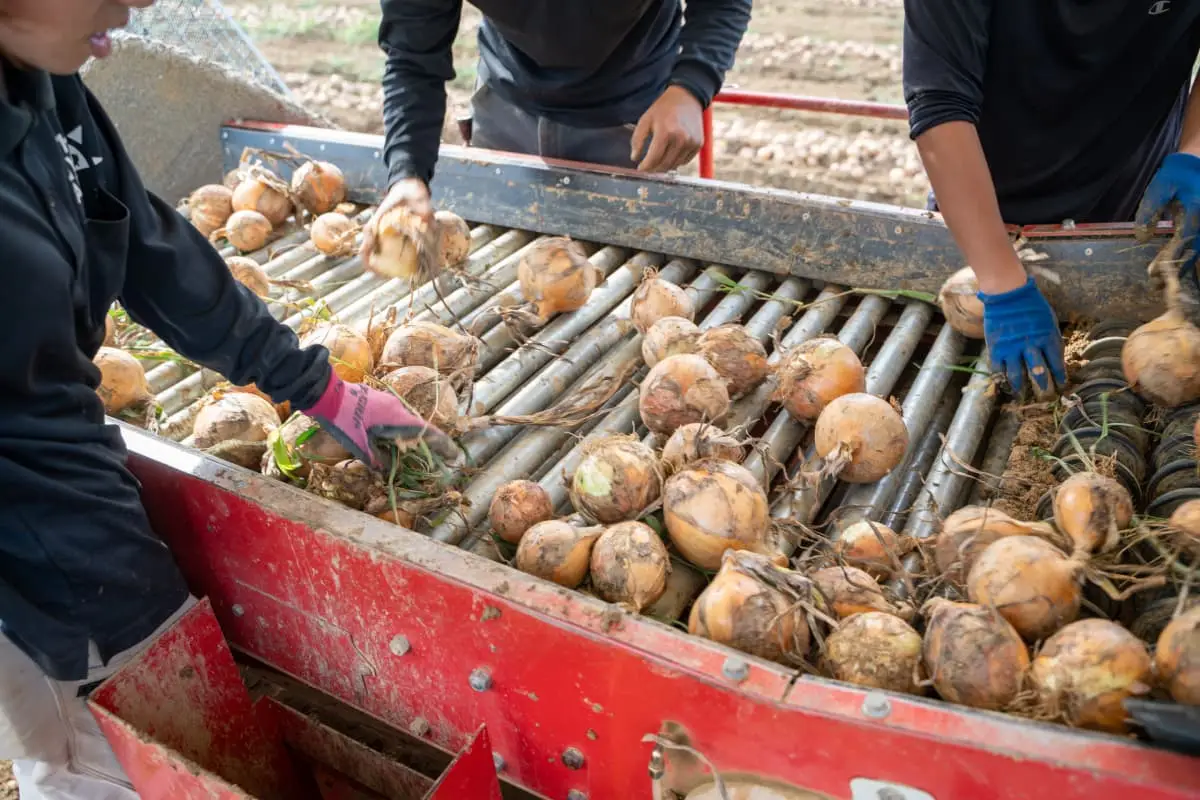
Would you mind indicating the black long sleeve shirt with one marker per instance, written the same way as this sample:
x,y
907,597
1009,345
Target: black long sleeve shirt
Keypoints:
x,y
78,559
577,62
1076,101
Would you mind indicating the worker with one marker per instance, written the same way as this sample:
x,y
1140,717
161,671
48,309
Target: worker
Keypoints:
x,y
84,582
622,83
1039,111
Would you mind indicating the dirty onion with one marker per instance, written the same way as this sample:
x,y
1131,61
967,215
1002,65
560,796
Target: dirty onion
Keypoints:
x,y
617,479
1092,510
427,344
1161,360
972,655
877,650
815,373
968,531
737,357
960,303
555,276
670,336
558,551
426,393
860,437
655,299
516,507
679,390
454,238
349,351
848,591
209,207
333,234
713,506
697,441
318,186
122,380
1030,582
1177,657
872,547
236,416
245,231
630,565
250,274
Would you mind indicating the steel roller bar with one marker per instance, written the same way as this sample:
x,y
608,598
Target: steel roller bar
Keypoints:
x,y
995,457
917,466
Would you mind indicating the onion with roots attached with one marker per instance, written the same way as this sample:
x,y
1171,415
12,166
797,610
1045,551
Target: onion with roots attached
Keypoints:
x,y
556,276
872,547
630,565
303,443
679,390
1092,510
617,479
877,650
245,230
558,551
395,252
1161,360
351,483
257,193
428,394
1030,582
454,238
333,234
250,274
210,207
1085,672
713,506
848,591
318,186
237,416
967,532
427,344
697,441
756,606
972,655
815,373
960,303
670,336
655,299
349,351
737,357
1185,528
122,380
861,437
516,507
1177,657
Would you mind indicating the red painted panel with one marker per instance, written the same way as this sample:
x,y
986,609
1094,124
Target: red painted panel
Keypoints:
x,y
473,773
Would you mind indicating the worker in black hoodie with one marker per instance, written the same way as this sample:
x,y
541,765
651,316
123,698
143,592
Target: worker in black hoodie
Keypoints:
x,y
621,82
84,582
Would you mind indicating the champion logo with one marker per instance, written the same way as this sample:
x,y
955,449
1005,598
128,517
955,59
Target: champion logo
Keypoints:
x,y
76,160
1160,7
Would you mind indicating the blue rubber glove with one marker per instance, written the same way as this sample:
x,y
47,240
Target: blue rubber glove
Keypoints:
x,y
1176,188
1022,334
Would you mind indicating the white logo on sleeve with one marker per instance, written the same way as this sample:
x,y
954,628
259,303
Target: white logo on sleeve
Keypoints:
x,y
75,158
1160,7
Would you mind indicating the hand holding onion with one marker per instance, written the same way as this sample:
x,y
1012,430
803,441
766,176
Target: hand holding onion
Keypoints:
x,y
388,247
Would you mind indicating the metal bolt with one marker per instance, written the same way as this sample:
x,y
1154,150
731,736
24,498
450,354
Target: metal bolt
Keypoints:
x,y
572,758
498,760
418,727
238,611
888,793
735,669
876,705
480,680
399,645
575,794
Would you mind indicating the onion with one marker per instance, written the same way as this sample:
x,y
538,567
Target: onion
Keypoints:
x,y
656,298
871,547
110,331
713,506
247,272
960,303
237,416
682,389
1177,657
333,234
454,238
122,380
318,186
617,480
427,344
670,336
1092,510
1185,527
245,230
877,650
395,252
304,442
1030,582
1086,670
282,410
257,194
697,441
349,351
737,357
427,393
967,532
743,788
630,565
861,437
351,483
557,551
1161,360
556,276
848,591
972,655
1196,433
233,178
754,606
516,507
397,516
209,207
815,373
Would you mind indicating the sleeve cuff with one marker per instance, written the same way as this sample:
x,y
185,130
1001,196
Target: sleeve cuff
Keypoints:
x,y
401,166
930,109
697,79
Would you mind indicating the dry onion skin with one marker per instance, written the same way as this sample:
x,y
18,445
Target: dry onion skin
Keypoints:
x,y
395,253
333,234
679,390
250,274
210,207
516,507
282,410
737,357
349,351
306,443
246,231
1161,360
1177,657
1092,510
815,373
872,547
318,186
972,656
350,482
237,416
1085,672
697,441
630,565
670,336
1185,528
426,393
617,479
257,194
960,303
848,591
122,380
968,531
877,650
454,238
713,506
558,551
1030,582
861,437
428,344
555,276
655,299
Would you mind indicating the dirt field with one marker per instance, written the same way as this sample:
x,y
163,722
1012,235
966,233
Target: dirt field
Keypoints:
x,y
8,784
850,49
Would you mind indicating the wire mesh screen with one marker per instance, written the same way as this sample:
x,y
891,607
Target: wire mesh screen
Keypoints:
x,y
205,29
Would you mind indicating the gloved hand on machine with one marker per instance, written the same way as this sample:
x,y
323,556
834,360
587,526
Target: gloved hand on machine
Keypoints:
x,y
1174,193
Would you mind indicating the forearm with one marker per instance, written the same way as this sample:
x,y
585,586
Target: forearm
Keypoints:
x,y
1189,137
712,31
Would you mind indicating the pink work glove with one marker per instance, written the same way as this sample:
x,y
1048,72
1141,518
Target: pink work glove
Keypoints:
x,y
361,419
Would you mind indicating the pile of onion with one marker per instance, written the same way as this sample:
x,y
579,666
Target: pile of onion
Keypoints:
x,y
872,547
318,187
265,193
697,441
713,506
617,479
516,507
250,274
245,230
209,207
967,532
123,381
877,650
305,443
670,336
1092,510
333,234
1177,657
960,303
555,276
655,299
847,591
737,357
454,238
1185,528
1085,672
630,565
815,373
1161,360
427,344
860,437
426,393
972,655
349,351
558,551
679,390
236,416
1030,582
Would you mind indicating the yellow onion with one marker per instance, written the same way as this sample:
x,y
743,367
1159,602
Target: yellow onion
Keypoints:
x,y
815,373
427,344
861,437
972,655
516,507
1085,672
556,276
426,393
1030,582
304,443
697,441
617,479
349,351
1185,528
872,547
1093,510
737,357
245,230
558,551
967,532
237,416
318,186
333,234
454,238
250,274
630,565
1161,360
351,483
397,516
713,506
960,303
257,193
233,178
670,336
1177,657
682,389
209,207
848,591
656,298
282,410
122,380
877,650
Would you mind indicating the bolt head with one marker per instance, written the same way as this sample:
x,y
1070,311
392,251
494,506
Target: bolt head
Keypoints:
x,y
572,758
735,669
238,610
575,794
480,679
399,645
876,705
419,727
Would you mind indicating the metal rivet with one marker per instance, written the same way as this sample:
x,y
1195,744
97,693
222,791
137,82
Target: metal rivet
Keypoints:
x,y
377,154
566,181
572,758
322,148
1087,251
735,669
575,794
480,680
238,611
899,230
399,645
876,705
272,140
225,134
806,216
418,727
498,760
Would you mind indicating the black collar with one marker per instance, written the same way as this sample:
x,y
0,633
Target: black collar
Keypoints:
x,y
28,91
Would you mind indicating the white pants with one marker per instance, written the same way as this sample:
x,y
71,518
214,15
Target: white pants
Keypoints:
x,y
55,744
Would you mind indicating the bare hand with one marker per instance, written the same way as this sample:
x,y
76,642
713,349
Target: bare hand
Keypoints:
x,y
409,192
675,127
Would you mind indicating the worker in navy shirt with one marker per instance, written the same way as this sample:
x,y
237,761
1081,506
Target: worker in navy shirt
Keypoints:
x,y
1039,111
84,582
